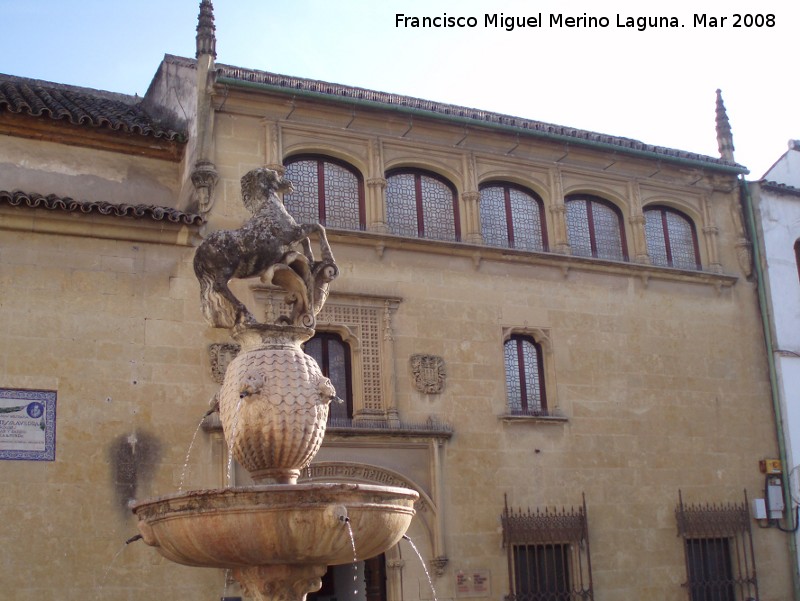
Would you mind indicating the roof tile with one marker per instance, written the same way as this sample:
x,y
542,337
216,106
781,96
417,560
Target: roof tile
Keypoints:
x,y
66,204
81,106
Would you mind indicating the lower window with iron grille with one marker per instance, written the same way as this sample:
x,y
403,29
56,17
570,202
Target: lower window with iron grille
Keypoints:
x,y
718,548
548,554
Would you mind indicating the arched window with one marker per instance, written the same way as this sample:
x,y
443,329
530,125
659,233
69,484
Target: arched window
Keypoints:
x,y
595,228
326,191
333,356
671,239
524,376
421,205
512,217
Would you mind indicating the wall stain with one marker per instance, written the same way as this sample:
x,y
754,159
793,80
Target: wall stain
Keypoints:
x,y
133,459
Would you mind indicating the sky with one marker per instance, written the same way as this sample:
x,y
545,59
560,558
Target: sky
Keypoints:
x,y
655,84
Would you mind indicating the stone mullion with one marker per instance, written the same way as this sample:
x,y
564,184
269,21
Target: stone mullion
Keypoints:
x,y
376,186
273,146
470,199
557,209
388,369
636,220
710,237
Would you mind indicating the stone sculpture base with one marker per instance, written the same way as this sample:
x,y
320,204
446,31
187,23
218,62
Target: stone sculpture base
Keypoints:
x,y
280,583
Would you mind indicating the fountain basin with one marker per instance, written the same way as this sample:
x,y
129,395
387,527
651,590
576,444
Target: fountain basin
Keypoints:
x,y
276,524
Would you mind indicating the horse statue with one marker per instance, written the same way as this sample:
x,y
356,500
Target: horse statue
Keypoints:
x,y
264,246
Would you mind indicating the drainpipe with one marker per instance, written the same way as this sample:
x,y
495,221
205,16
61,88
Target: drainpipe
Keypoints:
x,y
773,378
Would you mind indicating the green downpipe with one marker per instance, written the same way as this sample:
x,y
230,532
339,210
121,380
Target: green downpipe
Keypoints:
x,y
773,376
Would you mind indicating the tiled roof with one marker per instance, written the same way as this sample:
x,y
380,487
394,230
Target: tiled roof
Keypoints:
x,y
780,188
289,84
81,106
69,205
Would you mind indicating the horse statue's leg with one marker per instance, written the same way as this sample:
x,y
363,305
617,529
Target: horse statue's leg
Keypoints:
x,y
304,231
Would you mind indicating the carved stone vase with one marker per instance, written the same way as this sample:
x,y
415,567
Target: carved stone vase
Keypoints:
x,y
273,403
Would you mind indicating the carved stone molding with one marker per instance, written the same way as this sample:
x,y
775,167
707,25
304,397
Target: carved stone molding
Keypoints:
x,y
744,253
204,178
429,373
438,565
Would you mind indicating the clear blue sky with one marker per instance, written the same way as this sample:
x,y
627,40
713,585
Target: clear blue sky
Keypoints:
x,y
656,85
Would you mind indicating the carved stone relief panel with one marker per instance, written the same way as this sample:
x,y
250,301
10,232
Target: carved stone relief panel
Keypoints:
x,y
221,354
429,373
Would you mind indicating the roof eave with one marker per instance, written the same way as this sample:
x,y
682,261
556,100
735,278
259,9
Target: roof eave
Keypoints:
x,y
733,169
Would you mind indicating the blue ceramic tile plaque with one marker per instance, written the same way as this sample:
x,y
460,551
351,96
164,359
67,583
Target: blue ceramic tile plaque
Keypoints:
x,y
27,424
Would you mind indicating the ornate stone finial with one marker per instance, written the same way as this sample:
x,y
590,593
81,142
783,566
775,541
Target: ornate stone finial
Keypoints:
x,y
265,246
206,39
724,136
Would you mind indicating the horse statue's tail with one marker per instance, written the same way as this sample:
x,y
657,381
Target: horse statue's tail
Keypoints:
x,y
218,310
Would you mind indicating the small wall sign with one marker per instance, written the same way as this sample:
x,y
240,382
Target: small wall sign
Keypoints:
x,y
473,583
27,424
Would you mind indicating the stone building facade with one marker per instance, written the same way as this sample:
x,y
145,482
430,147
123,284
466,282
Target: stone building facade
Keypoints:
x,y
552,335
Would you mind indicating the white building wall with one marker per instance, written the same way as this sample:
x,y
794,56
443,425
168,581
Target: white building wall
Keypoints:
x,y
778,216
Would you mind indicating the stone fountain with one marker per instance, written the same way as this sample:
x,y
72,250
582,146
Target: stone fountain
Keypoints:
x,y
277,536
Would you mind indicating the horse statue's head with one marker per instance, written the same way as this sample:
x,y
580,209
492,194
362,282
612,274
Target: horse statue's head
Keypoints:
x,y
262,185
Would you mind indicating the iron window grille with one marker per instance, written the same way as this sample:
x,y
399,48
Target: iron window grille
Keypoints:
x,y
512,217
718,549
326,191
525,392
671,238
420,204
595,228
548,554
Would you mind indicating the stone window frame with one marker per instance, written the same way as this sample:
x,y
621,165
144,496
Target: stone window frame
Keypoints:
x,y
326,337
542,337
663,211
323,190
597,248
420,203
509,214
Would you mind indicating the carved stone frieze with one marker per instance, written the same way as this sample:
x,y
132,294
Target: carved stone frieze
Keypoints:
x,y
429,373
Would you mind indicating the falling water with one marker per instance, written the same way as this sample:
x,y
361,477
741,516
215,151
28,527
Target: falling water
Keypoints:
x,y
111,563
232,438
189,452
424,567
355,557
225,588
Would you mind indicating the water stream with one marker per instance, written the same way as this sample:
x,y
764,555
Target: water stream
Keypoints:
x,y
235,424
424,566
188,453
355,557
